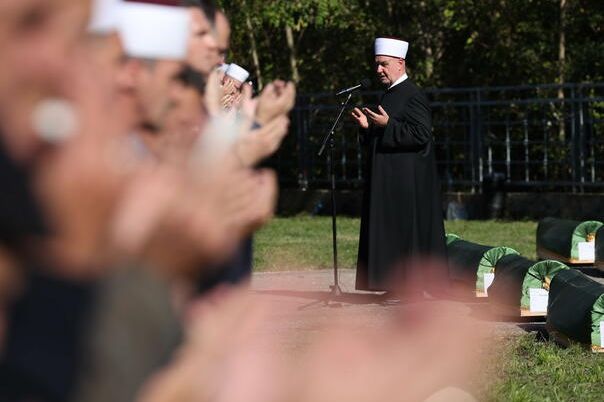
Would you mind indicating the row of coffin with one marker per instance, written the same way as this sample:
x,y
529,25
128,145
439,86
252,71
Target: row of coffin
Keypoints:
x,y
518,287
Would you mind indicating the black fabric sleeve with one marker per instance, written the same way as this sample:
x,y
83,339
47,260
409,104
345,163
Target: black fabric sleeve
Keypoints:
x,y
364,134
414,129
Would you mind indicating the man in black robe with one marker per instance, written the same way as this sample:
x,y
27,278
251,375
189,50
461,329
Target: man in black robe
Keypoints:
x,y
402,218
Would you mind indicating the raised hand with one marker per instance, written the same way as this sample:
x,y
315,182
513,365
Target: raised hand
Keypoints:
x,y
379,119
214,96
276,99
247,106
360,117
260,143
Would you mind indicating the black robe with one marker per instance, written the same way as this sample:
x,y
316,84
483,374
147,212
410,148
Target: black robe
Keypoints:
x,y
402,208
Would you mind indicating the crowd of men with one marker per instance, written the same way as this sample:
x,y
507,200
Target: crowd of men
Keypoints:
x,y
129,154
130,182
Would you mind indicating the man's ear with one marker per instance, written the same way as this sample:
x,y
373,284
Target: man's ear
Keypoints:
x,y
402,64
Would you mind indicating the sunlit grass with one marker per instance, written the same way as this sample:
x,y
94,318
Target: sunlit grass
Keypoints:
x,y
533,370
304,242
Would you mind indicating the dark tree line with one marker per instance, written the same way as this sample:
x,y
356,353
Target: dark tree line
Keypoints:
x,y
327,44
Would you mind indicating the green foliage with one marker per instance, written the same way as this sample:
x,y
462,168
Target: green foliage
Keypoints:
x,y
452,42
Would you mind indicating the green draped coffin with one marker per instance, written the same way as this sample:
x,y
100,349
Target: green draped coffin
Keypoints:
x,y
599,252
576,309
471,264
520,287
567,240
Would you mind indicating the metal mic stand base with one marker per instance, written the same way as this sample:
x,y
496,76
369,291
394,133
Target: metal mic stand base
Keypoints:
x,y
335,291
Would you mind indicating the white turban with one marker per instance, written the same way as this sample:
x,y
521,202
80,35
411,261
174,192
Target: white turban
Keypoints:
x,y
153,31
391,47
238,73
104,17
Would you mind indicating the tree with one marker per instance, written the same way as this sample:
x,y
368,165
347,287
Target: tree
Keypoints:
x,y
326,44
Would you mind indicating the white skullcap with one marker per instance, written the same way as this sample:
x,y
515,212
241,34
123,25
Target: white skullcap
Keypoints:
x,y
154,31
104,17
238,73
391,47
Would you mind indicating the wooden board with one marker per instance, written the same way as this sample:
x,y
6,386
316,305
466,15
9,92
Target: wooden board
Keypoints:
x,y
463,291
481,293
511,311
563,340
528,313
597,349
546,254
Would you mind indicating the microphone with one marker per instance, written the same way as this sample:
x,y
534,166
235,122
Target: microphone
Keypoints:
x,y
365,83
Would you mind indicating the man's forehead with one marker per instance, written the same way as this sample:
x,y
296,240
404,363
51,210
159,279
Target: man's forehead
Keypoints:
x,y
10,8
199,18
222,22
382,59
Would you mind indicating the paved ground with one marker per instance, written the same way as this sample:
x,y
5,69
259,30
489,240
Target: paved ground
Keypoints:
x,y
306,304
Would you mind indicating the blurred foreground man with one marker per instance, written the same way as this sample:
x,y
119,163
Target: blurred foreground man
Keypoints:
x,y
37,43
402,217
133,328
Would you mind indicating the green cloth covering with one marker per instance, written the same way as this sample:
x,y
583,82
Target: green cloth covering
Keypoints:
x,y
535,278
576,306
597,315
450,237
580,235
488,262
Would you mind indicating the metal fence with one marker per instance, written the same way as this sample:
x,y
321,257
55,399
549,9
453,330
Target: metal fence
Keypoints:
x,y
536,138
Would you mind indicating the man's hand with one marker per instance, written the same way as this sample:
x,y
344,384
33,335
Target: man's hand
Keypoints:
x,y
360,118
262,142
379,119
277,98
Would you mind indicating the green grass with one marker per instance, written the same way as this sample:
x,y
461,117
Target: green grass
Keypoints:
x,y
519,235
304,242
532,370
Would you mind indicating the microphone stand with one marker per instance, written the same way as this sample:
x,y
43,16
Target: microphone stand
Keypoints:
x,y
329,138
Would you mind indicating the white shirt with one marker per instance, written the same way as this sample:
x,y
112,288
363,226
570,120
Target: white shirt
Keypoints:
x,y
401,79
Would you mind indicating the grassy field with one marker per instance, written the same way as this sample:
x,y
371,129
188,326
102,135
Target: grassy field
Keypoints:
x,y
537,370
304,242
524,369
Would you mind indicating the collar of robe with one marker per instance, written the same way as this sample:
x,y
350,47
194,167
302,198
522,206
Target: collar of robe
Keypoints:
x,y
400,80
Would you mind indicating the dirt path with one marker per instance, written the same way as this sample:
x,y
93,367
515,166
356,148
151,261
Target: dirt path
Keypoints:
x,y
306,306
